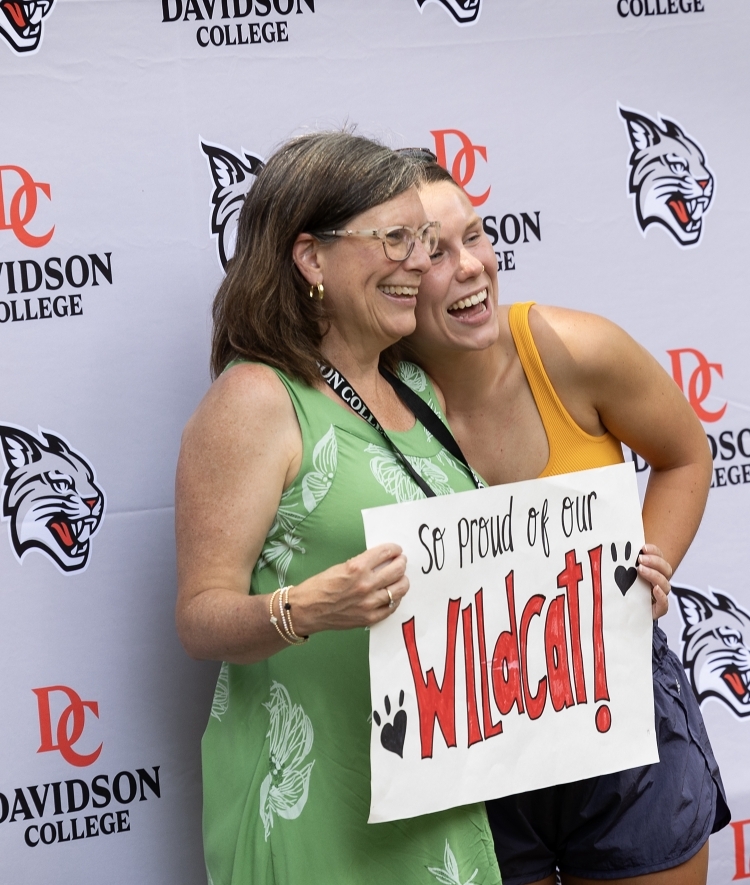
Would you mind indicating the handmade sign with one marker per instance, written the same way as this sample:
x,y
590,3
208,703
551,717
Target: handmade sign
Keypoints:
x,y
521,655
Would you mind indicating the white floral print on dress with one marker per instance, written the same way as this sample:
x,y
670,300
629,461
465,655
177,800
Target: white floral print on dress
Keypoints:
x,y
390,473
448,873
282,542
220,703
284,789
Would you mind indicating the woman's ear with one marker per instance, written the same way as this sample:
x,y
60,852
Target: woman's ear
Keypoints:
x,y
305,254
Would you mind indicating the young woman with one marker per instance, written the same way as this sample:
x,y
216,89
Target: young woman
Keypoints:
x,y
535,391
274,470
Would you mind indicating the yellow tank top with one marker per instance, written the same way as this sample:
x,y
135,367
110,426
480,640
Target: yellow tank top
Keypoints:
x,y
570,447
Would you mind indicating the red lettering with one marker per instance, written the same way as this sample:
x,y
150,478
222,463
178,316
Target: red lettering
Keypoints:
x,y
464,163
490,728
601,692
534,703
433,702
699,385
556,652
65,738
506,669
570,578
742,866
23,206
472,713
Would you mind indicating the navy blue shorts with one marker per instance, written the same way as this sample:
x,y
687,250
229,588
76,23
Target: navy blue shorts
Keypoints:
x,y
629,823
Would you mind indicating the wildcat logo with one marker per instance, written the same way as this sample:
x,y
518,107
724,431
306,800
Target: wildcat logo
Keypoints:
x,y
465,12
232,177
21,23
716,651
669,178
51,497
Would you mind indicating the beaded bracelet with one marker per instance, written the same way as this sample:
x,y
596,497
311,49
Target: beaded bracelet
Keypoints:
x,y
287,607
286,631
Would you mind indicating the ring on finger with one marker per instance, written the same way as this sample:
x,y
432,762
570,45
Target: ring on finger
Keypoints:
x,y
391,600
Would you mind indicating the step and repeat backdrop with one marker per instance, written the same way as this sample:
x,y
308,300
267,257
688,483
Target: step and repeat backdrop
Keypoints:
x,y
603,142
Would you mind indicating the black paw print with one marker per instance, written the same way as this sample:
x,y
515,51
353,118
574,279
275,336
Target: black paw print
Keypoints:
x,y
392,735
624,577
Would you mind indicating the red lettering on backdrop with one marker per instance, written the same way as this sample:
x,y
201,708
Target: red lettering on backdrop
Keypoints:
x,y
506,668
75,709
742,866
490,728
433,702
556,652
472,713
570,578
19,218
534,703
464,163
699,385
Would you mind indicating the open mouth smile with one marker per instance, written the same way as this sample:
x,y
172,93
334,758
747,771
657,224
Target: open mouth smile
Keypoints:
x,y
403,291
470,306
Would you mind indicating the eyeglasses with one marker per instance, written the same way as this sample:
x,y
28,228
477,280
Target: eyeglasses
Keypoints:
x,y
417,153
398,242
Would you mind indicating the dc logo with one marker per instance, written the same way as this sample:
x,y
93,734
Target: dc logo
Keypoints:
x,y
21,23
699,380
463,163
464,12
19,200
70,721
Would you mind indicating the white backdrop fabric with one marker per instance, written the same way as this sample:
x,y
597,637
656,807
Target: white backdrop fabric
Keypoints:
x,y
110,262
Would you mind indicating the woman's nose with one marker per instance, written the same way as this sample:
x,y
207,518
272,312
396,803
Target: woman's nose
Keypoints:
x,y
469,265
419,259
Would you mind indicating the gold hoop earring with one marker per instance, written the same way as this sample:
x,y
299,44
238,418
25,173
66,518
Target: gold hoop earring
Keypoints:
x,y
317,289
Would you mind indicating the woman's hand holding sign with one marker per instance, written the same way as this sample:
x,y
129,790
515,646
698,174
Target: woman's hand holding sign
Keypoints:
x,y
654,568
357,593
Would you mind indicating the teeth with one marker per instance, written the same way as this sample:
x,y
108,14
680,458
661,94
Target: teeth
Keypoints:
x,y
409,291
84,533
471,300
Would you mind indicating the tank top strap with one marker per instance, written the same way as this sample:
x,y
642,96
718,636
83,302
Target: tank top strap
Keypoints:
x,y
570,447
551,410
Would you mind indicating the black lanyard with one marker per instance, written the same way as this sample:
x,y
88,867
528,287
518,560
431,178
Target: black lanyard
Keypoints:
x,y
419,408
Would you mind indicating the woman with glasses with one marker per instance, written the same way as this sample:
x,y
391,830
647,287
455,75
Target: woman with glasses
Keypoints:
x,y
537,391
299,432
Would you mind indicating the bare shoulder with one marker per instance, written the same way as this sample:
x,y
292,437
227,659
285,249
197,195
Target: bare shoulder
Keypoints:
x,y
245,415
573,341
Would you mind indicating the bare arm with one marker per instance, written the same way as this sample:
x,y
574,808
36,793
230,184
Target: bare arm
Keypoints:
x,y
239,451
609,382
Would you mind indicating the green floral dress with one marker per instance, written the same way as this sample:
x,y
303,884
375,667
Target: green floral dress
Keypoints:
x,y
286,754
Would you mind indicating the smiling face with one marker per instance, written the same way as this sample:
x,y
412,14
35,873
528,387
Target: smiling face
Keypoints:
x,y
457,302
368,297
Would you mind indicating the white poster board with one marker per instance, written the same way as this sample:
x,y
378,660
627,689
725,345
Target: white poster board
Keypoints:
x,y
521,655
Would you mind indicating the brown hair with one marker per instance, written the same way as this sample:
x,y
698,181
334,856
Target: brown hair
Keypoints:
x,y
262,310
